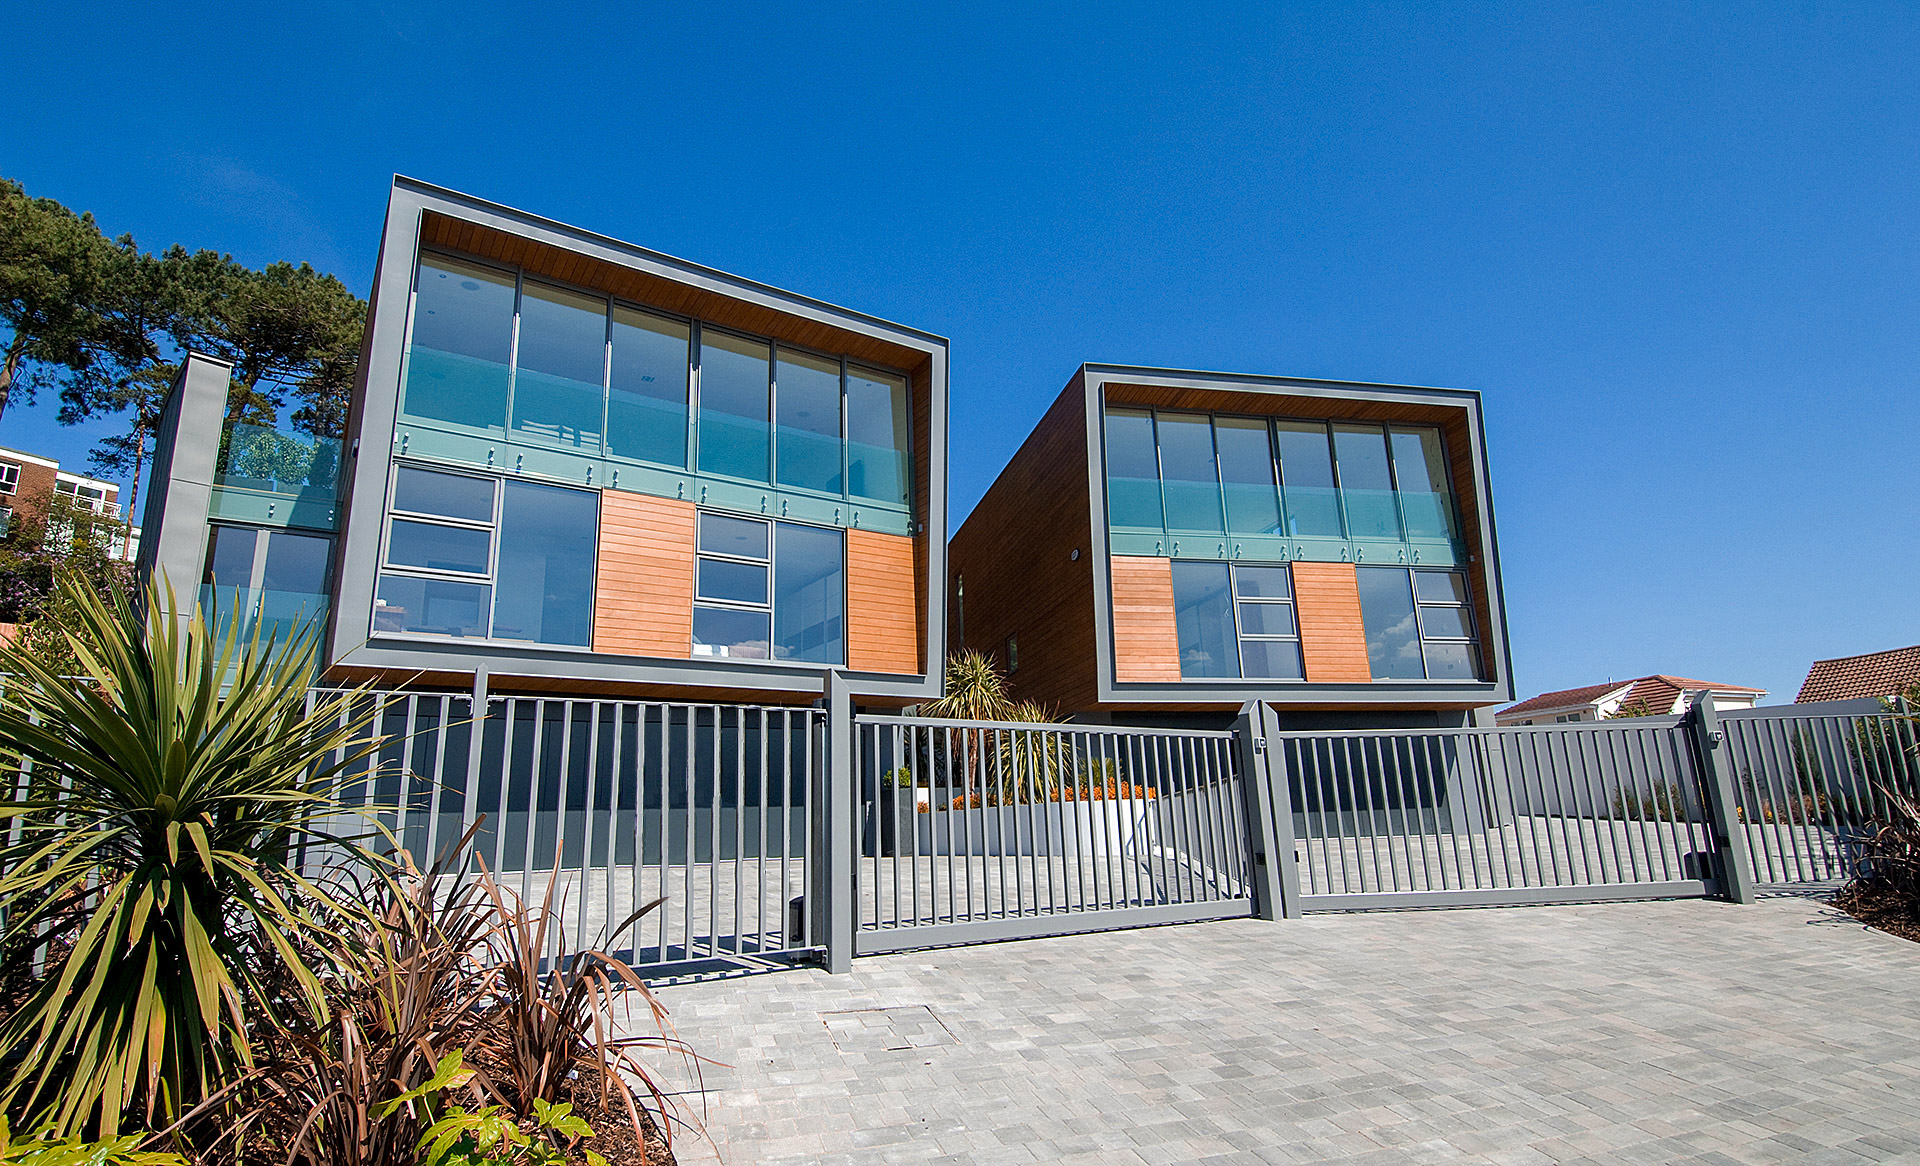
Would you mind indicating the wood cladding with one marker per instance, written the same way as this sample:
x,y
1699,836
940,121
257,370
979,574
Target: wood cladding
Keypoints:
x,y
1333,640
1146,642
1014,558
883,612
643,595
646,288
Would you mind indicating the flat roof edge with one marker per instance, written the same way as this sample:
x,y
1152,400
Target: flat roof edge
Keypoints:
x,y
447,194
1110,371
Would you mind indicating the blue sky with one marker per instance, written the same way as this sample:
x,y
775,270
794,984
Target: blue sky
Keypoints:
x,y
1676,247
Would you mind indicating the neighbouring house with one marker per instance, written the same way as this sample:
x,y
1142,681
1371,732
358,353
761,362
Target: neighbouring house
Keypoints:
x,y
1874,674
1167,545
29,483
1659,695
572,464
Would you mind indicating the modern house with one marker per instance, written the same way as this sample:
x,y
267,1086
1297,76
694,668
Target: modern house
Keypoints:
x,y
30,483
1167,545
572,464
1658,695
1874,674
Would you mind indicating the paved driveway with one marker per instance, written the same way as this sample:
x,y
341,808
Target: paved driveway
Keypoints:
x,y
1646,1032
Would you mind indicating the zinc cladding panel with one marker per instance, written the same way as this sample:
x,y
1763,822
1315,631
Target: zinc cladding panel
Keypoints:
x,y
883,622
643,598
1333,639
1146,642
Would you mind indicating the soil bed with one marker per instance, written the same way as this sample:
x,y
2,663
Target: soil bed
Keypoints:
x,y
1879,908
612,1130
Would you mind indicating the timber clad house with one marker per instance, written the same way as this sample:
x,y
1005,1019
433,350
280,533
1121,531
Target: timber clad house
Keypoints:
x,y
1167,545
574,465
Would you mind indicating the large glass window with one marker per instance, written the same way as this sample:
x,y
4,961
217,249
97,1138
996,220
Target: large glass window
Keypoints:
x,y
1190,476
462,343
1420,470
559,379
544,591
453,569
1419,624
1133,471
879,442
1366,481
1246,471
809,594
1306,474
734,392
1203,620
273,582
1392,630
807,389
647,392
735,613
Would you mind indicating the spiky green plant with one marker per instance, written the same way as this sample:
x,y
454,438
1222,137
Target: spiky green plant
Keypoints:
x,y
150,849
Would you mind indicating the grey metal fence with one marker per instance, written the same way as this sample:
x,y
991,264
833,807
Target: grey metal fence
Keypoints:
x,y
1808,780
983,830
1523,815
618,803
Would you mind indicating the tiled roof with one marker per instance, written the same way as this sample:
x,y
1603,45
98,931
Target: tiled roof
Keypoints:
x,y
1851,677
1564,698
1659,691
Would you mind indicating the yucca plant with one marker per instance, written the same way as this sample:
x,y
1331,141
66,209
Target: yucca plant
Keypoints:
x,y
151,849
973,690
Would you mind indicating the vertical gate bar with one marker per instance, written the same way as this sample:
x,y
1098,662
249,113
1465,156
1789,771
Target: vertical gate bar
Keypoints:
x,y
1837,792
1183,820
1199,841
1858,759
403,811
1387,749
764,828
1633,825
713,820
666,826
1783,783
437,785
1364,778
1652,763
1752,797
643,716
1484,744
1584,741
1194,847
954,822
533,796
1654,797
1446,761
906,741
1605,740
1118,862
740,828
1577,780
586,842
1564,792
614,915
1467,755
1768,815
1155,860
1209,807
1233,847
1537,821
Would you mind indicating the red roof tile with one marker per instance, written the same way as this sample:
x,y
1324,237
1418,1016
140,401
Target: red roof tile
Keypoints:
x,y
1659,691
1851,677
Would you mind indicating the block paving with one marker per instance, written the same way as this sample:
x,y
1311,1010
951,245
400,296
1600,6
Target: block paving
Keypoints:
x,y
1642,1032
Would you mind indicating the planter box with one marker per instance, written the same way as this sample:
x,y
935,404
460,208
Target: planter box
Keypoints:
x,y
1107,828
890,821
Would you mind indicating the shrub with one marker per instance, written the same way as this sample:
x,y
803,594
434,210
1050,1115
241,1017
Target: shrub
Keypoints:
x,y
1663,802
44,1149
164,802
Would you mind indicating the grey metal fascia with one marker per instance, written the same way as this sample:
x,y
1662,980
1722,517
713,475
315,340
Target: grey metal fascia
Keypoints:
x,y
549,663
1096,377
571,238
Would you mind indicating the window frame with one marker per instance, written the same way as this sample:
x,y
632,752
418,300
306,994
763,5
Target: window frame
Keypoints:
x,y
9,478
1271,420
696,327
1464,606
771,563
491,580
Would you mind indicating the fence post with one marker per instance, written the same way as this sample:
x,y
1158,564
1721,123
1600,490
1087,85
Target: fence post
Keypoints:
x,y
1709,740
1276,872
832,858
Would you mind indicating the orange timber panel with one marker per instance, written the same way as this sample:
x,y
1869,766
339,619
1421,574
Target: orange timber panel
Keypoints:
x,y
643,598
1146,643
883,610
1333,640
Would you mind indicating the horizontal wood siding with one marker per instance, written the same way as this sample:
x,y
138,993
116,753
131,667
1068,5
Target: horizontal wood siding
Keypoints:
x,y
643,598
883,612
1015,555
1146,643
1333,640
646,288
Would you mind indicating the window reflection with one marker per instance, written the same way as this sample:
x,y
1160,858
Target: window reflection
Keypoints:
x,y
878,441
647,394
544,591
809,594
734,389
1191,481
560,371
1306,476
1133,470
807,389
461,343
1203,620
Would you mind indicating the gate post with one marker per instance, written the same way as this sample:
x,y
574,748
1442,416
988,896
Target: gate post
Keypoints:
x,y
1269,805
1716,778
832,859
